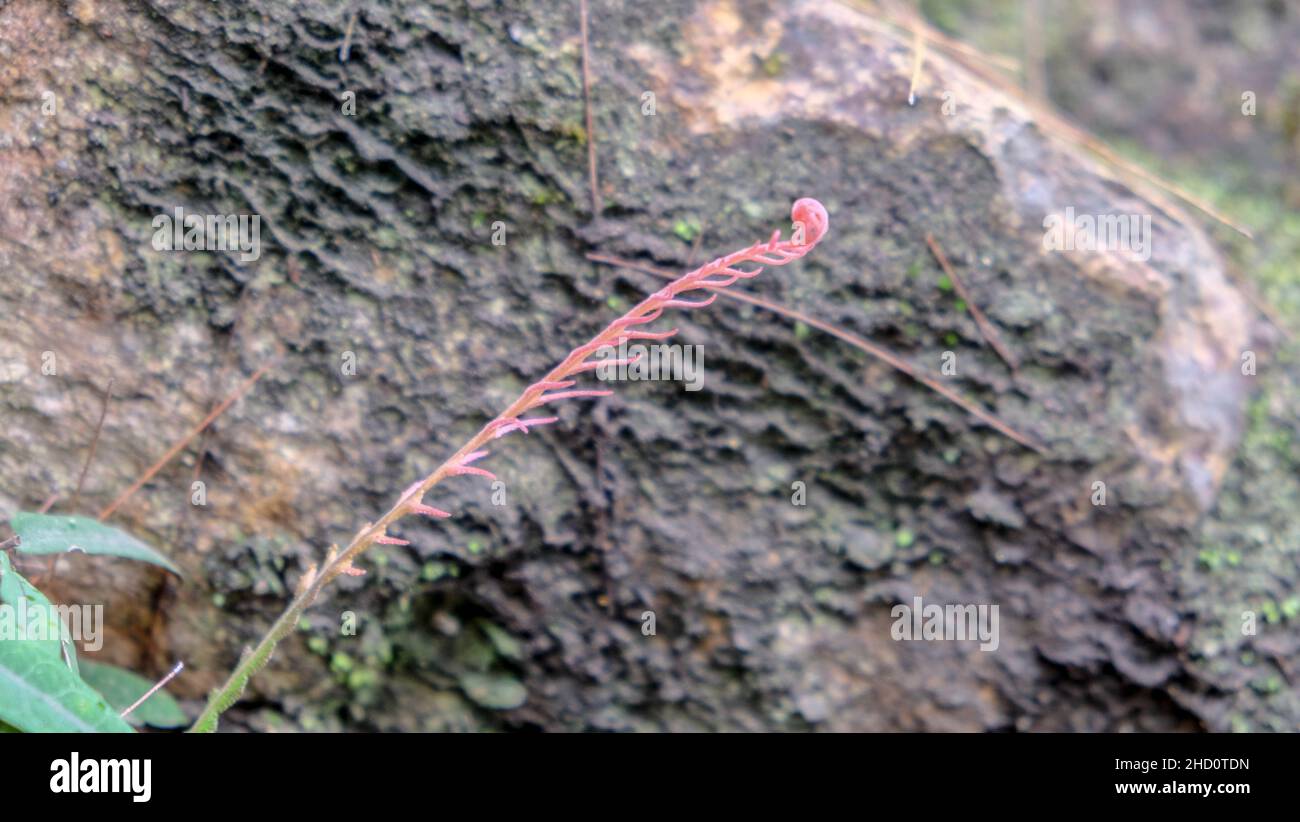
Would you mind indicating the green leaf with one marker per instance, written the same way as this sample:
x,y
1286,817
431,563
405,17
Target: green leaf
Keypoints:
x,y
499,692
506,645
33,617
39,694
122,688
60,533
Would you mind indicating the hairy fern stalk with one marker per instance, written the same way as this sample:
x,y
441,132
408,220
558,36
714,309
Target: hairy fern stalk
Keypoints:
x,y
810,225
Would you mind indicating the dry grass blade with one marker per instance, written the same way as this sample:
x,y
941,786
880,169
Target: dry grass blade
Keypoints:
x,y
870,348
918,58
51,566
184,441
157,686
345,50
94,442
586,97
986,328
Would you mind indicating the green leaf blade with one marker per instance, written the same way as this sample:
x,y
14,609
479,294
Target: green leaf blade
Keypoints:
x,y
44,534
40,694
32,617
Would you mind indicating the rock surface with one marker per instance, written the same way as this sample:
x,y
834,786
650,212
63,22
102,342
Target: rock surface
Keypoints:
x,y
376,232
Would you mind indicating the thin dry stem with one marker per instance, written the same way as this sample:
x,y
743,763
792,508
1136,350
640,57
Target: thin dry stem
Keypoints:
x,y
345,50
987,330
157,685
94,443
586,99
918,58
885,356
184,441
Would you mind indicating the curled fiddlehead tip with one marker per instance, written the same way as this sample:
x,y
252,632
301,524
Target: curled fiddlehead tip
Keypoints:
x,y
812,215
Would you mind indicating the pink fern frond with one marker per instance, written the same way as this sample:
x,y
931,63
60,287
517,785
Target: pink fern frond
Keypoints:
x,y
721,282
647,335
811,224
691,303
813,217
570,395
729,276
462,466
581,353
615,363
624,322
550,385
430,511
462,470
778,256
505,426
